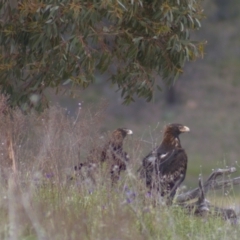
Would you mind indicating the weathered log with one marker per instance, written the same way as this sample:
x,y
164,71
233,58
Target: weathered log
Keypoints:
x,y
206,209
224,213
202,206
210,184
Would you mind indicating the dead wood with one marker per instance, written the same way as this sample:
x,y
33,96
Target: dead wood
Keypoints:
x,y
210,184
202,206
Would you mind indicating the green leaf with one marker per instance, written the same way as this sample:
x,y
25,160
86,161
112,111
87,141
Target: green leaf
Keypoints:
x,y
126,40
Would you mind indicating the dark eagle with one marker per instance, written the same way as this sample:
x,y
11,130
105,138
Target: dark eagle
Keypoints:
x,y
112,155
164,168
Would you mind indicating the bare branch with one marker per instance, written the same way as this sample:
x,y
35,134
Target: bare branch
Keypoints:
x,y
210,184
202,206
219,172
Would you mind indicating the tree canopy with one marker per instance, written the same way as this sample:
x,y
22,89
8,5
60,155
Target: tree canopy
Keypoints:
x,y
46,43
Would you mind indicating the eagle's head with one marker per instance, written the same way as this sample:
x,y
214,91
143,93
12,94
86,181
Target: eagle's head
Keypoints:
x,y
171,134
119,134
175,129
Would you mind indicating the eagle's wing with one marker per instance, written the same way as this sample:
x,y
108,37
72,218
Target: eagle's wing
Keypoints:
x,y
148,165
118,162
154,156
175,161
165,159
172,171
120,158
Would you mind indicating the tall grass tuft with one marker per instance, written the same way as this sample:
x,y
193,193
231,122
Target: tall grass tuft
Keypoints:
x,y
38,201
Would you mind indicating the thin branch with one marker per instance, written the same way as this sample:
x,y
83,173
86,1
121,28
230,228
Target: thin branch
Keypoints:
x,y
202,203
220,172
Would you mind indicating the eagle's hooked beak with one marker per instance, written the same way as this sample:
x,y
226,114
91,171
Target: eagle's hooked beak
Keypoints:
x,y
185,129
129,132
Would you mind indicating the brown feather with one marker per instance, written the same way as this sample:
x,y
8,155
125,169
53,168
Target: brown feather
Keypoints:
x,y
112,155
166,166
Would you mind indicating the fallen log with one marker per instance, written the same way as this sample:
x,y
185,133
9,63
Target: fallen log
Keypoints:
x,y
210,184
202,206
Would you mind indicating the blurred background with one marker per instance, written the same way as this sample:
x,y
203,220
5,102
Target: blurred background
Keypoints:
x,y
206,98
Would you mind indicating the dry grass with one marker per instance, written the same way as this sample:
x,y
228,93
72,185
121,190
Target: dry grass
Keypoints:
x,y
38,202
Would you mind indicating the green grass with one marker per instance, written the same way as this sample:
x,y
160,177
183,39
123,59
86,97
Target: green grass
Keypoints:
x,y
38,202
71,212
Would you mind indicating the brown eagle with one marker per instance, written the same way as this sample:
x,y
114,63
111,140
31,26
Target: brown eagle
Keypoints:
x,y
112,154
164,168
